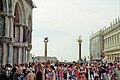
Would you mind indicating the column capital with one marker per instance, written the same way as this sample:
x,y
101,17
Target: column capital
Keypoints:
x,y
79,40
28,48
11,16
4,13
46,40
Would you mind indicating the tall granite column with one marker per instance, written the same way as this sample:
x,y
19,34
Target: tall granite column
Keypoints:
x,y
79,41
46,41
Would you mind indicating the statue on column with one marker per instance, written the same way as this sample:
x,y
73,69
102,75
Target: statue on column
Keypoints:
x,y
46,41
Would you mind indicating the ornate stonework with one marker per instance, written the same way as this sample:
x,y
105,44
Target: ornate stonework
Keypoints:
x,y
15,31
112,41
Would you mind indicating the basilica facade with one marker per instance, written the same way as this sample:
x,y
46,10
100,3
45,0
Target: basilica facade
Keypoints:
x,y
15,31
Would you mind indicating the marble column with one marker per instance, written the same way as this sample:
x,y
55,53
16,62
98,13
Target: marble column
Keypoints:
x,y
6,26
4,60
112,41
104,43
11,27
19,55
117,39
108,42
23,55
10,58
28,55
15,55
21,33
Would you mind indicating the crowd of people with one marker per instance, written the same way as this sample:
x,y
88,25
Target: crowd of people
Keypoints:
x,y
61,71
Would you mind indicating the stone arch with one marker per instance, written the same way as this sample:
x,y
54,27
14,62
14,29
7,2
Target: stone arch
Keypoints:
x,y
18,13
22,11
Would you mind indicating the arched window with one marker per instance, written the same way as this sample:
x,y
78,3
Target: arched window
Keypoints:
x,y
16,14
16,28
1,5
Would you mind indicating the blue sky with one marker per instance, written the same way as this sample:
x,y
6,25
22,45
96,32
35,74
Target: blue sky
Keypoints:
x,y
64,20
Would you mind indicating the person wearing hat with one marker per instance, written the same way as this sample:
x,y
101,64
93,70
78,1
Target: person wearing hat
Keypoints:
x,y
31,75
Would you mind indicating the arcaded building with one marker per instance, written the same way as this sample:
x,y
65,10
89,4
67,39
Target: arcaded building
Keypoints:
x,y
15,31
106,43
112,42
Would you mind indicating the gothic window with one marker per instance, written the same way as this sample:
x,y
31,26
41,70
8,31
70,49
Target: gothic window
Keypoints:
x,y
16,28
1,6
2,25
16,14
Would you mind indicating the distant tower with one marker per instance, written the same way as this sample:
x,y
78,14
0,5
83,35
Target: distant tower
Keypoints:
x,y
80,41
46,41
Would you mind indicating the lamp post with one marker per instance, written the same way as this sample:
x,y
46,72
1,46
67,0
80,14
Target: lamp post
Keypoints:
x,y
46,41
79,42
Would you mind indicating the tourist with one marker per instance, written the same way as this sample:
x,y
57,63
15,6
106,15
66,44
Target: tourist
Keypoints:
x,y
39,72
31,75
117,72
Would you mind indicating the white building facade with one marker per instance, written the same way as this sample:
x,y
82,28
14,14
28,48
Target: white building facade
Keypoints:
x,y
112,42
96,46
15,31
106,42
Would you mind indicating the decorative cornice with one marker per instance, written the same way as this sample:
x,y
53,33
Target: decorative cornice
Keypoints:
x,y
112,27
4,13
31,3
